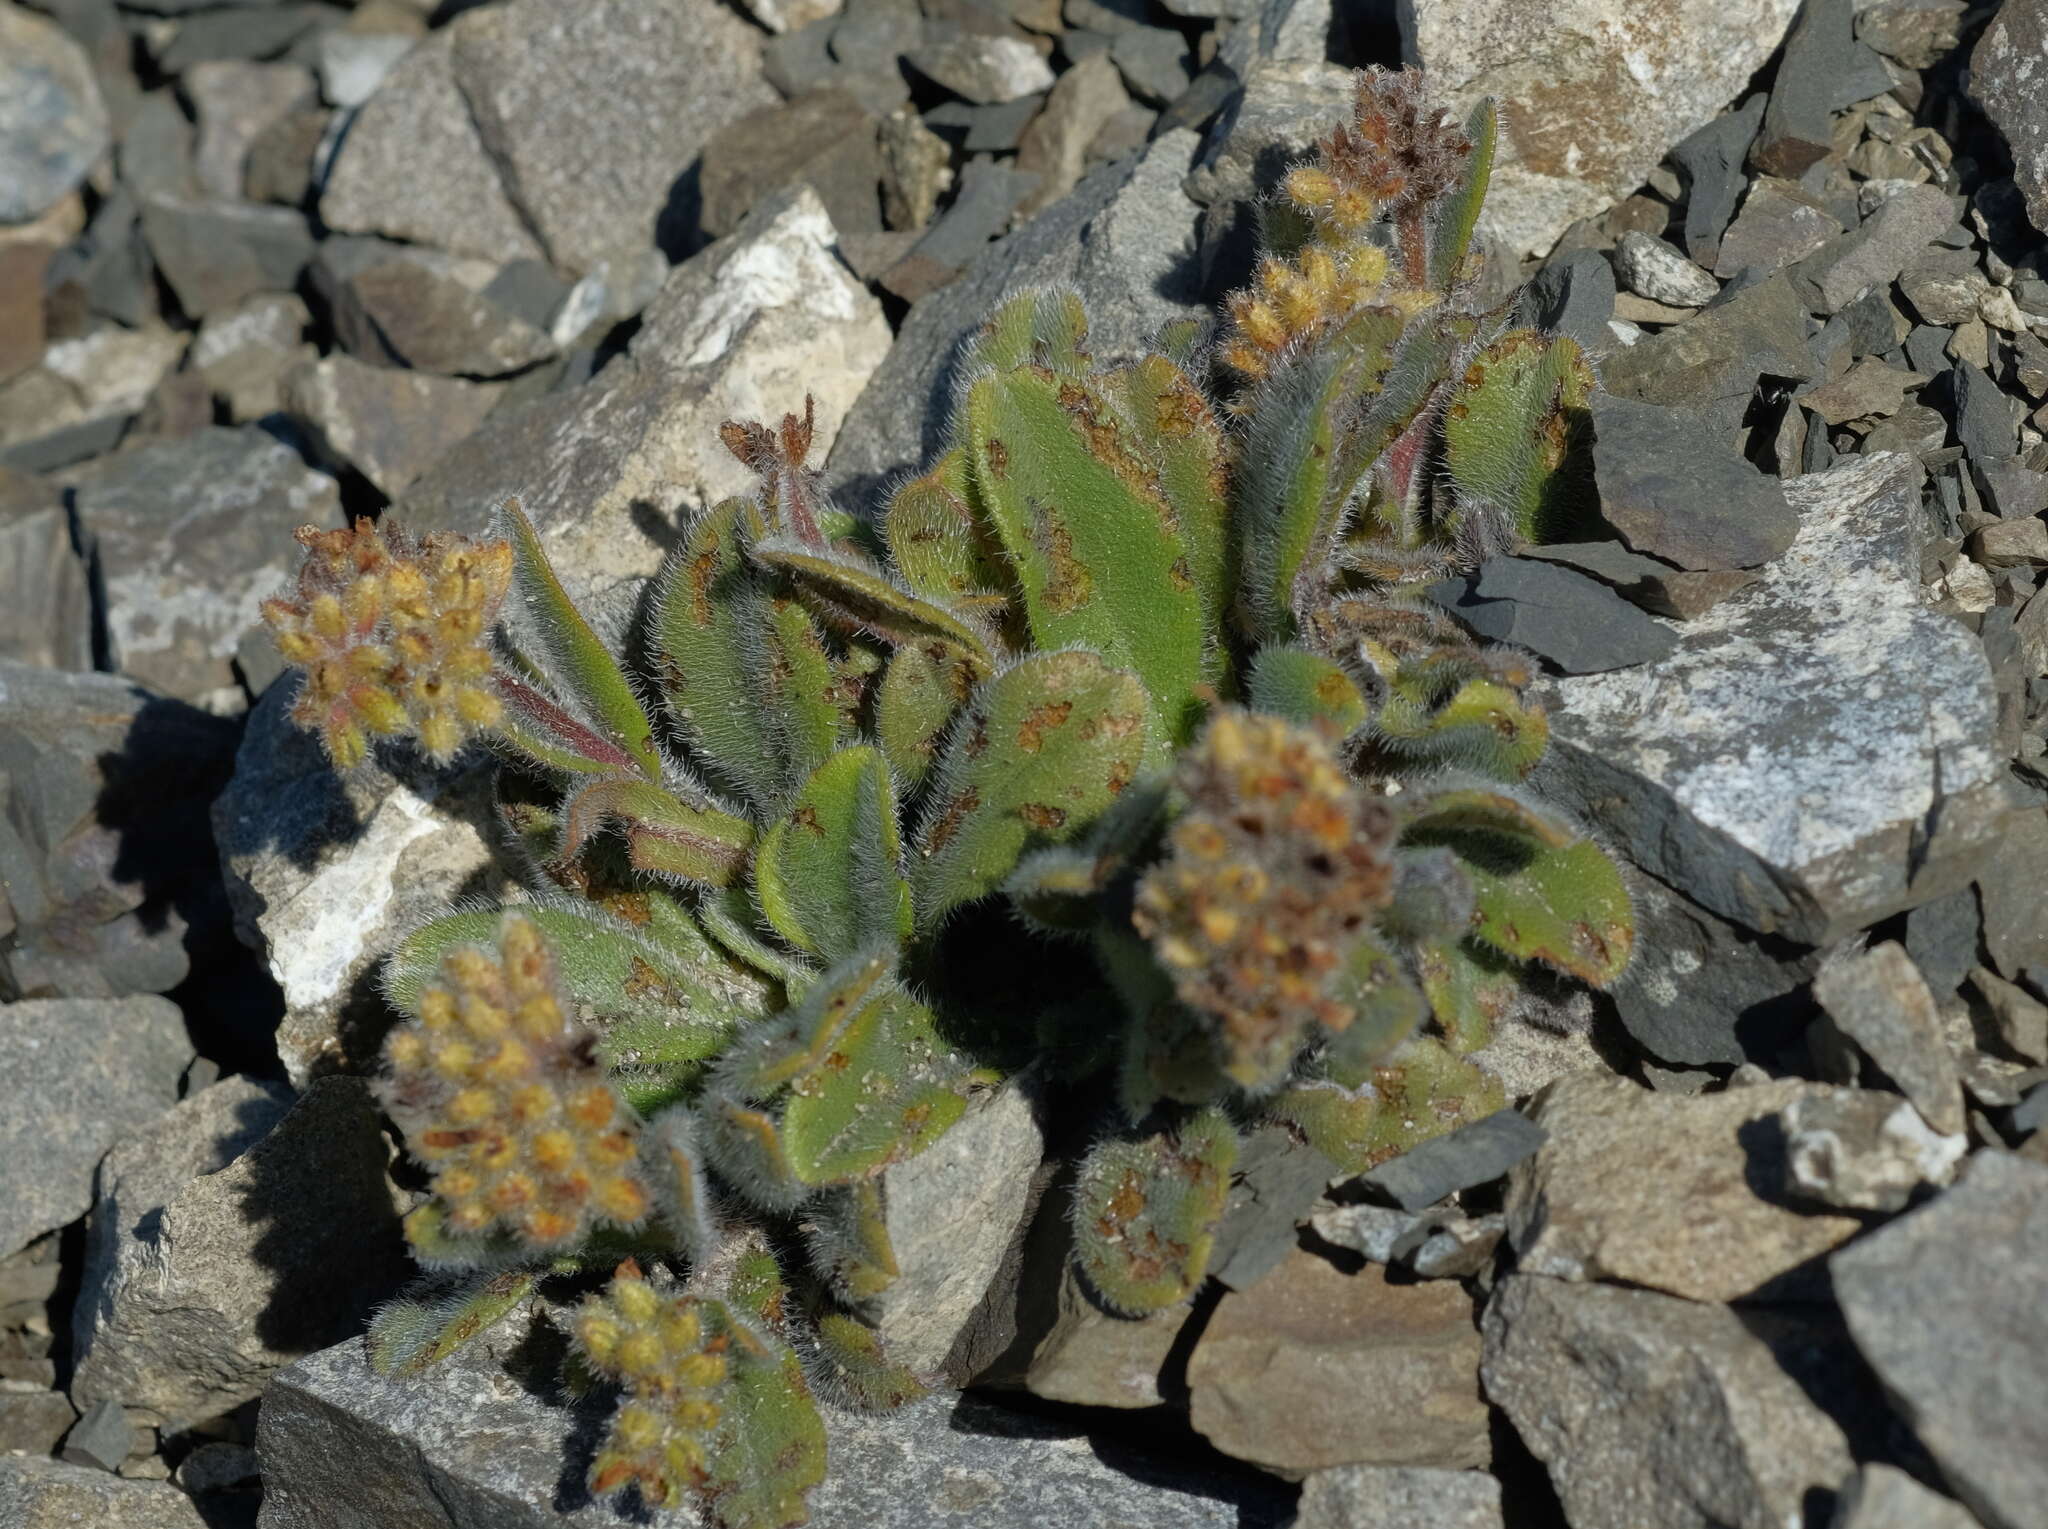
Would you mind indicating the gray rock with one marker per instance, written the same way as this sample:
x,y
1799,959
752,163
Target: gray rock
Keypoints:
x,y
1941,937
413,166
2010,488
469,1446
240,1232
1652,1410
2014,935
2010,544
1939,1302
824,140
952,1212
326,872
604,166
245,353
1590,129
1822,68
1677,493
53,122
1868,326
102,1439
744,329
237,102
1577,624
238,34
1878,999
397,306
1123,239
1857,1150
1915,431
191,537
101,909
1780,223
353,64
1873,254
991,192
1983,415
983,69
45,1494
1762,765
1451,1246
1090,1358
83,1072
1655,585
107,268
388,425
1371,1231
32,1422
1926,348
1869,389
1276,1181
874,35
215,254
1944,286
1314,1368
1698,1215
95,383
1653,269
1154,62
1574,295
1915,33
1712,361
2019,1020
1711,159
1472,1155
1881,1496
218,1466
45,606
995,129
1055,146
2003,78
1399,1497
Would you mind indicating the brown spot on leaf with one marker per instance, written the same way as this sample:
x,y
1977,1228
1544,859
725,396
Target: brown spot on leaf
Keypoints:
x,y
1031,732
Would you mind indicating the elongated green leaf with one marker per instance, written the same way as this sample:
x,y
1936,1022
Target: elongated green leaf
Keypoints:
x,y
581,667
1457,215
429,1321
923,688
1517,435
663,835
829,875
939,543
1042,751
1047,327
863,595
1101,551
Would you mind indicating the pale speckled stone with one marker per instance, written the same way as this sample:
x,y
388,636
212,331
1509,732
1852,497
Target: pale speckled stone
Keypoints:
x,y
1690,1216
742,331
2009,77
1399,1497
47,1494
467,1446
1784,764
1593,92
326,872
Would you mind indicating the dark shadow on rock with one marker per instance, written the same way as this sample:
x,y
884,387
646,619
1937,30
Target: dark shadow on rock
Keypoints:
x,y
1164,1454
679,226
1528,1499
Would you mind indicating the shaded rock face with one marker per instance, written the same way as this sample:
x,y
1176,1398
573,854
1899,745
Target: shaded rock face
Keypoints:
x,y
2006,77
1648,1409
1944,1303
233,1236
471,1445
80,1074
1592,92
1783,764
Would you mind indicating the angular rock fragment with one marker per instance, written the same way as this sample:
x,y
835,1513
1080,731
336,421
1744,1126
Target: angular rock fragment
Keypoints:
x,y
1873,254
53,120
215,254
386,424
1652,1410
1573,295
470,1444
1943,1304
1314,1368
1780,222
1711,161
1860,1150
1090,1358
1586,132
46,1494
1762,766
1676,493
2005,79
1472,1155
1399,1497
1578,624
1879,1000
82,1072
231,1237
984,69
397,306
1653,269
1700,1213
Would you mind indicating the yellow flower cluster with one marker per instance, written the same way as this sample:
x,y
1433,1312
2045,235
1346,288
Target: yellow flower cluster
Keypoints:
x,y
1395,156
1274,872
657,1347
499,1094
393,636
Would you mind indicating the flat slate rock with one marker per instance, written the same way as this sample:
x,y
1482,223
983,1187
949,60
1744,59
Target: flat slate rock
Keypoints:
x,y
1473,1154
1879,1000
1783,763
1677,491
1945,1303
1573,295
1577,624
470,1447
1711,161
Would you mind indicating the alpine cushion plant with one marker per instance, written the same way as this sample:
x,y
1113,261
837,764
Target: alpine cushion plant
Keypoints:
x,y
1142,667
